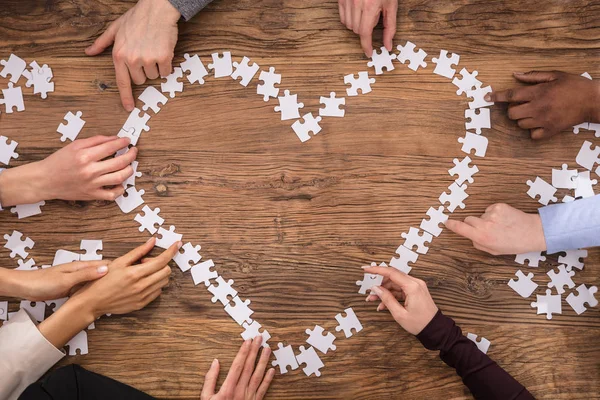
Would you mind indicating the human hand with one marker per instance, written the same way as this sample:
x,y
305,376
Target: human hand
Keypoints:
x,y
502,229
418,308
244,381
144,40
361,16
77,171
49,283
556,101
128,286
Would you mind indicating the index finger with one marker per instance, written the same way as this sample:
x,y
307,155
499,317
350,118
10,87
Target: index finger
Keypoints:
x,y
124,85
136,253
367,24
158,263
108,148
389,24
513,95
397,277
237,366
463,229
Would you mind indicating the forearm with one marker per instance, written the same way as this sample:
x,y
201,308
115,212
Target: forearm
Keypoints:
x,y
21,185
484,378
189,8
70,319
572,225
12,283
595,112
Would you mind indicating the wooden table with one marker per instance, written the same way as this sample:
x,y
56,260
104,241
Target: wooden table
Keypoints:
x,y
292,223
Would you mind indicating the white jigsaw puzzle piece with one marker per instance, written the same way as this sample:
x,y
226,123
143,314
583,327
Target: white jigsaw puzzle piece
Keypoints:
x,y
149,220
13,98
14,67
370,280
28,210
483,344
311,359
456,197
64,257
221,65
573,259
91,247
348,323
463,171
7,150
18,246
332,106
444,64
196,68
405,255
132,201
473,141
524,286
563,178
302,129
548,304
202,272
584,185
436,217
253,330
245,71
467,82
152,97
577,302
362,83
284,358
267,88
239,310
166,238
37,309
560,279
190,253
172,85
408,53
319,341
479,119
78,342
543,189
222,290
413,239
533,258
73,127
381,60
289,106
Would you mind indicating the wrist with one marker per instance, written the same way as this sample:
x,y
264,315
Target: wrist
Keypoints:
x,y
538,237
165,11
65,323
22,185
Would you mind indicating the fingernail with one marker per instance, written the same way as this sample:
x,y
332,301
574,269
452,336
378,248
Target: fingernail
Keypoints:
x,y
179,244
488,97
214,362
102,270
519,73
376,290
366,266
379,307
149,240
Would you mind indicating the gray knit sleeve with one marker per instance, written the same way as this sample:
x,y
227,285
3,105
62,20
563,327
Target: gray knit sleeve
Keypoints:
x,y
189,8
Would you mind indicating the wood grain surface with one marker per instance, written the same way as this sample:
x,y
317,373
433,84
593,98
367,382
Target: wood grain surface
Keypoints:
x,y
292,223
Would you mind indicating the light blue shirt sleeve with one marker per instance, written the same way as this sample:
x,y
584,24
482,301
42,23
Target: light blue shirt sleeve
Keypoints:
x,y
574,225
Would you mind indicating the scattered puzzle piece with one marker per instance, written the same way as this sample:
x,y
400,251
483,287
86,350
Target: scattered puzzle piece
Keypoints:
x,y
221,65
196,69
289,106
548,304
588,156
7,150
132,201
26,266
28,210
303,129
332,106
572,259
311,359
64,257
543,189
444,64
563,178
467,83
525,286
363,82
560,279
131,180
78,342
284,358
91,248
319,341
479,119
584,185
72,128
152,97
13,67
348,323
533,257
36,309
40,78
244,70
472,141
18,246
478,96
407,53
172,85
585,295
13,98
381,60
267,88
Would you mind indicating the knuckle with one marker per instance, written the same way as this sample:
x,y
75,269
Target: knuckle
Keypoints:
x,y
122,83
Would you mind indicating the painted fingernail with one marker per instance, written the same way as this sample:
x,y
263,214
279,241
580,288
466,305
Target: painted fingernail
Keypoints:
x,y
488,97
376,290
102,270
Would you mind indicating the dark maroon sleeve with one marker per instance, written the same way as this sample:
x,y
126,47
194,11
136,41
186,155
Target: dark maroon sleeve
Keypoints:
x,y
484,378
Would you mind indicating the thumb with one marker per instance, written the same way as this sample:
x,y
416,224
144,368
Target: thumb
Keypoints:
x,y
104,40
536,76
390,302
210,381
89,273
